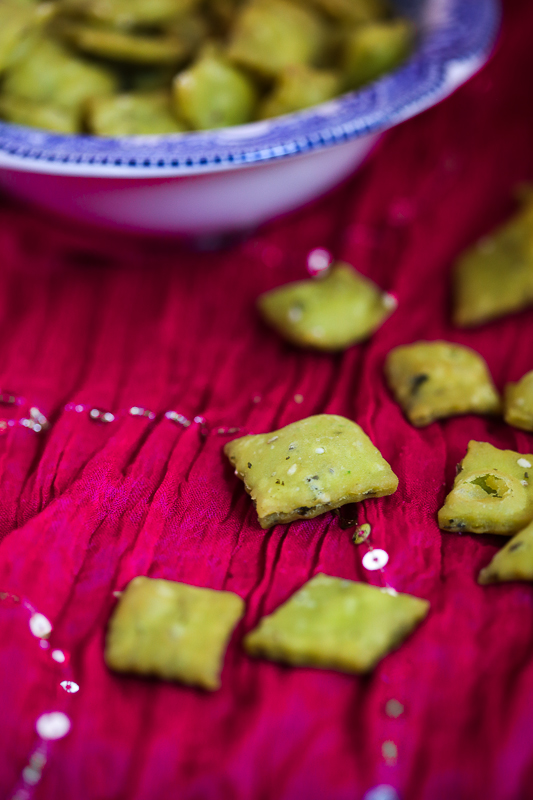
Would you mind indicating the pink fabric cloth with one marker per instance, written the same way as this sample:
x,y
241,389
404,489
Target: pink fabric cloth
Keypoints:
x,y
111,322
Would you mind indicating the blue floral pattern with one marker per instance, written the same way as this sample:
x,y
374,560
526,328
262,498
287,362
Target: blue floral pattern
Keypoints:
x,y
451,32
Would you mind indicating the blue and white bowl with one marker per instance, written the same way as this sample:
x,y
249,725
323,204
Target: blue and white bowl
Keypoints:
x,y
219,181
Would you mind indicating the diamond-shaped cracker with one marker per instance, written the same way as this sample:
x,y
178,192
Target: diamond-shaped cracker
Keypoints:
x,y
518,403
336,624
492,492
495,277
514,562
309,467
431,380
172,631
328,313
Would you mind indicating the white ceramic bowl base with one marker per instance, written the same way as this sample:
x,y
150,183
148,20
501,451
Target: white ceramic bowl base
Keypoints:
x,y
219,202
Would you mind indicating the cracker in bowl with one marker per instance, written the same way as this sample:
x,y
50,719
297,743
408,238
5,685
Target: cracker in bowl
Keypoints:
x,y
518,403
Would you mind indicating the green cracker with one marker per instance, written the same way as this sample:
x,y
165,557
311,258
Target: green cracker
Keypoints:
x,y
431,380
38,115
492,492
376,48
518,403
135,113
337,624
20,25
172,631
309,467
270,35
119,45
299,87
514,562
354,11
212,93
51,75
329,313
129,13
495,277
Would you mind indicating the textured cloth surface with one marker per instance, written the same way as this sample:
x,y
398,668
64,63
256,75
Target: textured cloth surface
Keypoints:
x,y
111,322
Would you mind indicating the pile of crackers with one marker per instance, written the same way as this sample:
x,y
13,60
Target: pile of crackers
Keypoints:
x,y
318,464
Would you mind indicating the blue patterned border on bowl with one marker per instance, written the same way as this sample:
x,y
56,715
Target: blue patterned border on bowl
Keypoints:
x,y
452,32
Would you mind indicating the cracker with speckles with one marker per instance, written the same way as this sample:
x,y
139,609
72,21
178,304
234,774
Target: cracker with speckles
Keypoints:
x,y
495,277
514,562
431,380
327,313
309,467
172,631
337,624
492,492
518,403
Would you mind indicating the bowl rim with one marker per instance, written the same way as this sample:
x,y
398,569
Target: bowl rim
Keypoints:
x,y
455,40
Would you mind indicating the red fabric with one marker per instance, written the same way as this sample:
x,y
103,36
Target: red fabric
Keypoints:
x,y
113,322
